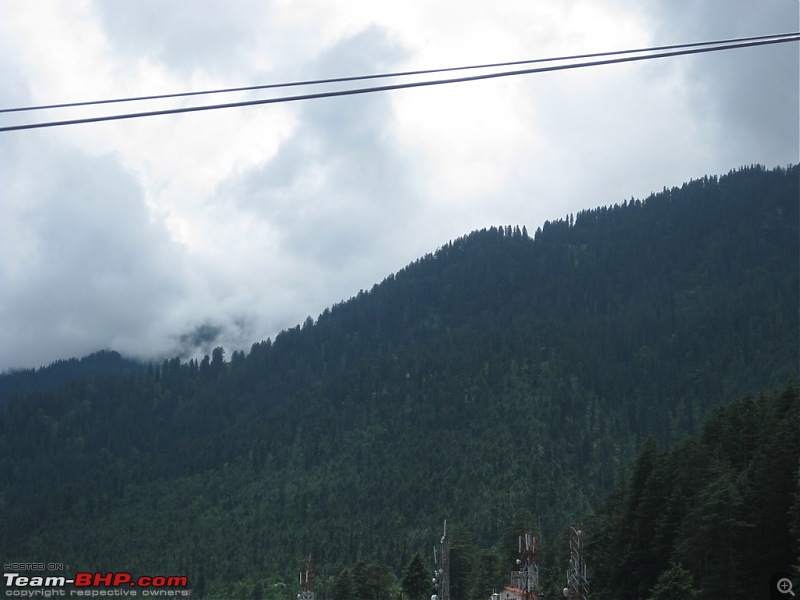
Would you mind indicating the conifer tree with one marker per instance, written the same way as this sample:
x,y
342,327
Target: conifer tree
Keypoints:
x,y
343,586
674,584
416,580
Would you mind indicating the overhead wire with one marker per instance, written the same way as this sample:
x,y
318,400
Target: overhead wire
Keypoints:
x,y
354,78
675,50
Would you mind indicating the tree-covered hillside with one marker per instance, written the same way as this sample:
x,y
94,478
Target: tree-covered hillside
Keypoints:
x,y
722,506
24,381
503,372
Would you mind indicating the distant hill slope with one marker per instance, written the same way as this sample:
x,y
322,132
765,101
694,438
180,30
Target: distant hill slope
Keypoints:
x,y
502,371
61,372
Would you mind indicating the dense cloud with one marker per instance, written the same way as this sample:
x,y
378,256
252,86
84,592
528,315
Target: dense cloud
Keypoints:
x,y
84,266
170,235
750,96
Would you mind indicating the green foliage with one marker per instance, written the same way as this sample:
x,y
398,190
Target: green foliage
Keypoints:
x,y
490,574
463,559
416,580
373,581
343,588
500,372
675,584
720,504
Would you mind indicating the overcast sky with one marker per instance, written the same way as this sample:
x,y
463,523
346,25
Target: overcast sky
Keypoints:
x,y
225,227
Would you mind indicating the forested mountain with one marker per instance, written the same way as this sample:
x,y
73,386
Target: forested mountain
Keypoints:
x,y
503,373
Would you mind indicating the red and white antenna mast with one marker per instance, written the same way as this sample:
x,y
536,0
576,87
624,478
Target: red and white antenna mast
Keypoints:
x,y
527,578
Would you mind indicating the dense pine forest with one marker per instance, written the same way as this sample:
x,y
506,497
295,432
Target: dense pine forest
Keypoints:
x,y
508,381
721,508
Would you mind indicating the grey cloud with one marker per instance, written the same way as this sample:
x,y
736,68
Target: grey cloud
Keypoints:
x,y
753,94
201,335
338,188
83,267
202,34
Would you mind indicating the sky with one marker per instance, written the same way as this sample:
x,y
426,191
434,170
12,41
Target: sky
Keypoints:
x,y
170,235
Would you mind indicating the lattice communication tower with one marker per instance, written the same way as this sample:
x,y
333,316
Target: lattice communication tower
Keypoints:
x,y
577,584
308,580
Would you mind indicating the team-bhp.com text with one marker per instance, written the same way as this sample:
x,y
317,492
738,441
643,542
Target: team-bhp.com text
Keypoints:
x,y
95,585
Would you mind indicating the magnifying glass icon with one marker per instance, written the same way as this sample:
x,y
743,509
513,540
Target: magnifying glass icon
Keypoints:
x,y
785,586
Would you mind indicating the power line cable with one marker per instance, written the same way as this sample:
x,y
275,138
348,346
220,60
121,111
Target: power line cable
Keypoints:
x,y
354,91
384,75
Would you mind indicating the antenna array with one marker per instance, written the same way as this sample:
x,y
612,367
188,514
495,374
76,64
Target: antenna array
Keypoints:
x,y
527,578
